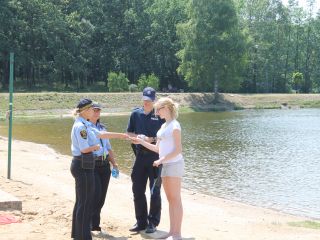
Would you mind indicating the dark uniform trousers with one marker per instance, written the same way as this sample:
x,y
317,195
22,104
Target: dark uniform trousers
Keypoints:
x,y
102,175
82,212
142,170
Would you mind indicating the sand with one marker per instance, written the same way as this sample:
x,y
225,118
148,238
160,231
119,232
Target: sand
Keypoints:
x,y
41,179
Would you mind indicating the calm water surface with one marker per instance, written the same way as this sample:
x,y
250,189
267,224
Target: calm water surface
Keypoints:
x,y
268,158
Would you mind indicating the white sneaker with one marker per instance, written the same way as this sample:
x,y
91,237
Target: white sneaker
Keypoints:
x,y
99,234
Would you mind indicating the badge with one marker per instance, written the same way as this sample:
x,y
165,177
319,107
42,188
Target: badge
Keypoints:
x,y
83,134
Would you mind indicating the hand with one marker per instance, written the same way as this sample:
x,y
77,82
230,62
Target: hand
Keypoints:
x,y
136,140
96,147
157,163
141,136
115,172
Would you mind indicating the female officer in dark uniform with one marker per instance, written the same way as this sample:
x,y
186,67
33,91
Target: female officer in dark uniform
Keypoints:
x,y
102,171
83,141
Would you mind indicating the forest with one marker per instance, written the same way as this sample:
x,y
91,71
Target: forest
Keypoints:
x,y
243,46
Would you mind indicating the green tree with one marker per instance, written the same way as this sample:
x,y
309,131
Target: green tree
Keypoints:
x,y
164,42
213,53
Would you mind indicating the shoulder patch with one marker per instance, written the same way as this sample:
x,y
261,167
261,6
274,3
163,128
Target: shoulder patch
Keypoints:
x,y
83,133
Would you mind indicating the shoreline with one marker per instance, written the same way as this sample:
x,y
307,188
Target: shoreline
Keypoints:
x,y
59,104
48,197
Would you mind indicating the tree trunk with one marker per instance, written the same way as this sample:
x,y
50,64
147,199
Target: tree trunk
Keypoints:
x,y
286,68
307,83
215,89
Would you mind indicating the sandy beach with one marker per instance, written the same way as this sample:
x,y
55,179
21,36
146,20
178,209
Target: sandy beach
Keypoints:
x,y
41,179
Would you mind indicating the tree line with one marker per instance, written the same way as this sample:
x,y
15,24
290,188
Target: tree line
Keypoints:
x,y
248,46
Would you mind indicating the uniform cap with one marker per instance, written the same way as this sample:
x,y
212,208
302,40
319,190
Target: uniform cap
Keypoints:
x,y
96,105
84,103
149,94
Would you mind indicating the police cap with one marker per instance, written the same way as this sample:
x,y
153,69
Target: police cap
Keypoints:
x,y
96,105
84,103
149,94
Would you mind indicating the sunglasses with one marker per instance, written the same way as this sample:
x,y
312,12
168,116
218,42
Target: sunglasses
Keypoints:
x,y
158,109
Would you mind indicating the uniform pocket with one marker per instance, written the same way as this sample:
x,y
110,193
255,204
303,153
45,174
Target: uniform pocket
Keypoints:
x,y
87,161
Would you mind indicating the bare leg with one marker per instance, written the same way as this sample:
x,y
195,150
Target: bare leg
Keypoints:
x,y
172,187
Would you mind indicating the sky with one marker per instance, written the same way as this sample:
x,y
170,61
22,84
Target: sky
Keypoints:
x,y
303,3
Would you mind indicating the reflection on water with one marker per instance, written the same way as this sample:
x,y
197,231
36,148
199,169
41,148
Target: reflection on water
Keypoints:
x,y
268,158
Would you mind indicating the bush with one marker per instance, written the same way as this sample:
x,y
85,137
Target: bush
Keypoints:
x,y
117,82
148,81
133,88
297,81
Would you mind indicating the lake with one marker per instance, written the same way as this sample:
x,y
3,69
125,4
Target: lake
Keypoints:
x,y
267,158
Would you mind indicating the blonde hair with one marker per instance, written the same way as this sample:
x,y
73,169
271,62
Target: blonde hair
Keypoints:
x,y
170,104
75,112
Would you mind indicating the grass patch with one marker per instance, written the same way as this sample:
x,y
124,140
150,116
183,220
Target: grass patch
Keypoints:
x,y
312,104
306,224
58,103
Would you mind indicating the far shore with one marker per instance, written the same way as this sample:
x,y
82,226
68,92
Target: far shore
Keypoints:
x,y
41,179
54,104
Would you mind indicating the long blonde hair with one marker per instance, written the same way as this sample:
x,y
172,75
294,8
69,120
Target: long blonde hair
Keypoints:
x,y
170,104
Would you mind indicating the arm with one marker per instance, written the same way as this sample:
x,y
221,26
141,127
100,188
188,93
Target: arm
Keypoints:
x,y
91,149
132,135
80,134
112,160
152,147
145,138
110,135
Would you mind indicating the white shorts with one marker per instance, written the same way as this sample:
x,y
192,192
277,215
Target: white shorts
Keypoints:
x,y
175,169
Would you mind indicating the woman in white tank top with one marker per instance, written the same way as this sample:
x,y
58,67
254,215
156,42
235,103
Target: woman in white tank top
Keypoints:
x,y
170,156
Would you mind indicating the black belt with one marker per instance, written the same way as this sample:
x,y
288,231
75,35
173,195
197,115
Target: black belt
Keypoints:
x,y
96,158
144,150
77,157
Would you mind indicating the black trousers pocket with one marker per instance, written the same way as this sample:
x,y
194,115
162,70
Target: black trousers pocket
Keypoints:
x,y
87,161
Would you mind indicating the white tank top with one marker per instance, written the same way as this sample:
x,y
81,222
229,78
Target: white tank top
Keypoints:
x,y
166,143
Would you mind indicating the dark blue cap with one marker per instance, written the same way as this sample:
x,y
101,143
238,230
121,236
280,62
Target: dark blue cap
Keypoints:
x,y
149,94
84,103
96,105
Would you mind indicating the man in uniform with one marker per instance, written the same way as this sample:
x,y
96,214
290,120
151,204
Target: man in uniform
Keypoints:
x,y
145,123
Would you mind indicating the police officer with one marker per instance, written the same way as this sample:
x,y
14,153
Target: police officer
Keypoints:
x,y
145,123
83,141
102,171
84,145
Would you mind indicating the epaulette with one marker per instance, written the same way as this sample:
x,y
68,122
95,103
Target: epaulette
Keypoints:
x,y
136,108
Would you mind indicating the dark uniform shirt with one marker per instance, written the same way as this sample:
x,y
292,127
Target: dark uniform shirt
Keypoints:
x,y
146,124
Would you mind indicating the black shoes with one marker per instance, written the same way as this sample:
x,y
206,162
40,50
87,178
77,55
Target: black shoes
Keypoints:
x,y
137,228
151,228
